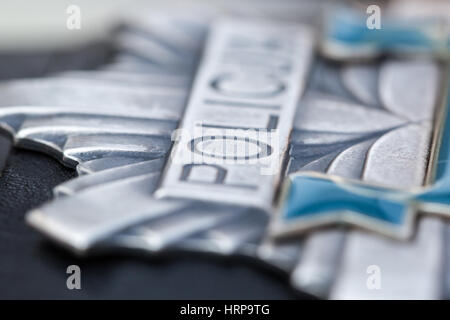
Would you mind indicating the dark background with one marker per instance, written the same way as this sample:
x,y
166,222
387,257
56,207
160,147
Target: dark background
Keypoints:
x,y
32,268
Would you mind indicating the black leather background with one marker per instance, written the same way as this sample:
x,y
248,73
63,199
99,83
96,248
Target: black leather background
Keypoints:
x,y
33,268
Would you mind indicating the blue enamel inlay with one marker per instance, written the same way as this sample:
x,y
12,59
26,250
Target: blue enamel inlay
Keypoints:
x,y
351,29
309,196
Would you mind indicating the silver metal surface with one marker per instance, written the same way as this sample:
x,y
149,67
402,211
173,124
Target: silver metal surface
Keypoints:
x,y
367,121
108,175
409,270
94,214
397,157
101,164
319,262
130,78
200,228
94,151
251,77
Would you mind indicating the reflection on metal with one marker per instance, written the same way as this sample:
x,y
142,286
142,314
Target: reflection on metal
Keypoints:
x,y
367,121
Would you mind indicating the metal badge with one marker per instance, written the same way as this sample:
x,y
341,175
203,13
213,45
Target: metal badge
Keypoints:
x,y
132,141
371,125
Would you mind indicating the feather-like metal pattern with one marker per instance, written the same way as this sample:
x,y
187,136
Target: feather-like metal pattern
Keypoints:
x,y
365,121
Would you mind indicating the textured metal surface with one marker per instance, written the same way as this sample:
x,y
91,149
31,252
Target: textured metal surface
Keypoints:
x,y
108,175
365,121
93,220
399,263
251,78
395,156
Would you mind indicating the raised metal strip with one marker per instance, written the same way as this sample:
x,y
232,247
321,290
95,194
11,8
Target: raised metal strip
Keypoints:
x,y
249,82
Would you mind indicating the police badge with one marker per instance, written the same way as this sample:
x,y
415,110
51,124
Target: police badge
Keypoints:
x,y
249,157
